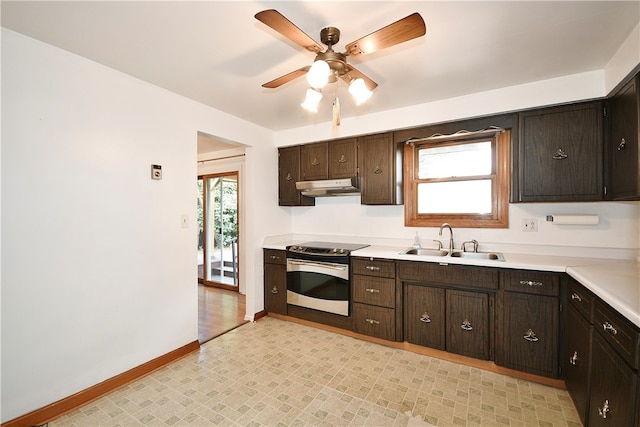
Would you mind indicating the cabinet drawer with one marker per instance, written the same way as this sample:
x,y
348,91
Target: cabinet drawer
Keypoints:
x,y
531,282
374,290
374,267
275,256
449,274
580,298
618,332
374,321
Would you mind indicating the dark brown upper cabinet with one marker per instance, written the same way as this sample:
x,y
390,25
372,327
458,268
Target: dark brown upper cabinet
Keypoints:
x,y
343,158
288,174
559,154
623,156
380,165
314,161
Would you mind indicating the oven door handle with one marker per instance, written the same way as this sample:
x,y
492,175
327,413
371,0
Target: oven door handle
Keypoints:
x,y
339,267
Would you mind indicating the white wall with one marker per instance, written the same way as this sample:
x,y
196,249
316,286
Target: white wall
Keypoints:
x,y
98,276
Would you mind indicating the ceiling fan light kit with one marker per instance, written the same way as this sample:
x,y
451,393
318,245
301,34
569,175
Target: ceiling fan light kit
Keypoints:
x,y
330,66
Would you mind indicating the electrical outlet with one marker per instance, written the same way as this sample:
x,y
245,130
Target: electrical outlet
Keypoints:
x,y
529,225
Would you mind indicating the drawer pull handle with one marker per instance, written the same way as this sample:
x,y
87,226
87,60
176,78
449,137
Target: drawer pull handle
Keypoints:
x,y
604,410
531,336
530,283
373,291
573,359
425,318
377,170
315,162
372,321
623,143
466,325
609,327
342,159
289,177
274,257
274,290
560,155
372,268
576,297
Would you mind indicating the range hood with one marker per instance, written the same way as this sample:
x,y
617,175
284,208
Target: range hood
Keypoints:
x,y
329,187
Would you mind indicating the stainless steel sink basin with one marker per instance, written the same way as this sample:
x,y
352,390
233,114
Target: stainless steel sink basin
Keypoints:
x,y
429,252
497,256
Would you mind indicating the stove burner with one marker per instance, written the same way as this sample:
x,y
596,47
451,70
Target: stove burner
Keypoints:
x,y
325,248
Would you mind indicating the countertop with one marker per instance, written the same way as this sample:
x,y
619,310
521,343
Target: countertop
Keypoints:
x,y
616,282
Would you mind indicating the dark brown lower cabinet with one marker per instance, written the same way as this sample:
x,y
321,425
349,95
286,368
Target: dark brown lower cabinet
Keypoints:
x,y
275,281
531,329
578,352
468,323
374,321
424,316
448,319
613,387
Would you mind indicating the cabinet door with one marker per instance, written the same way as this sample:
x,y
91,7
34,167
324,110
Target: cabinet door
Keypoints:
x,y
560,154
622,144
531,331
468,323
577,364
288,174
275,288
424,316
613,388
314,161
380,170
343,158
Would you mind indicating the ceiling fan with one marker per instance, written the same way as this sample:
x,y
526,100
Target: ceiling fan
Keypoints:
x,y
318,74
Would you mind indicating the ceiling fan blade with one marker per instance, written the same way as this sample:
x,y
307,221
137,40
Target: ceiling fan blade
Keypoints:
x,y
286,78
278,22
352,73
405,29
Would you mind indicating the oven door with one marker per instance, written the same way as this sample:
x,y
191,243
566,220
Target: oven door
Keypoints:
x,y
318,285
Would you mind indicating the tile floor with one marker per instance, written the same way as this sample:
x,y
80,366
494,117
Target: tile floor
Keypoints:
x,y
278,373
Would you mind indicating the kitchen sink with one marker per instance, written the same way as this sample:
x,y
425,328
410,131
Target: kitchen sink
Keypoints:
x,y
429,252
497,256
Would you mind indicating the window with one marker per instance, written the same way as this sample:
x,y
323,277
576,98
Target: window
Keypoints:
x,y
462,179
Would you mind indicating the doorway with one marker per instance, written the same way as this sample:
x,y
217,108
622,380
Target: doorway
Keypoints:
x,y
218,230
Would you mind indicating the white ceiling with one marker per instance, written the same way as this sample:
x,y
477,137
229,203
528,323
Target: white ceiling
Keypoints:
x,y
217,53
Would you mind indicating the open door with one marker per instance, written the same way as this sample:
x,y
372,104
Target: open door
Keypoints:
x,y
218,225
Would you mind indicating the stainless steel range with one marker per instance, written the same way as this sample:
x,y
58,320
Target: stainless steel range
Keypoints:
x,y
318,276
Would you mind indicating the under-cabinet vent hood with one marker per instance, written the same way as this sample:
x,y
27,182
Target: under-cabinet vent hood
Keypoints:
x,y
329,187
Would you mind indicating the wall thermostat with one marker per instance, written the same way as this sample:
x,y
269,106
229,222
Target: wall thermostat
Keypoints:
x,y
156,172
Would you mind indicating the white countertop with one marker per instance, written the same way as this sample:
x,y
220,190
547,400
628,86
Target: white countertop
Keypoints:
x,y
617,282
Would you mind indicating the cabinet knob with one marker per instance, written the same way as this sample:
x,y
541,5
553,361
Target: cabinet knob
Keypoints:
x,y
530,336
425,318
342,159
573,359
560,155
372,321
623,144
576,297
604,410
373,291
274,290
466,325
609,327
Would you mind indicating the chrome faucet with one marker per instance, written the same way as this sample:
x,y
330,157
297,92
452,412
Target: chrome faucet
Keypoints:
x,y
447,225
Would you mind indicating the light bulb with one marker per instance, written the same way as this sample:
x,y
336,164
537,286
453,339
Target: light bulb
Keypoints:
x,y
312,100
359,90
318,74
